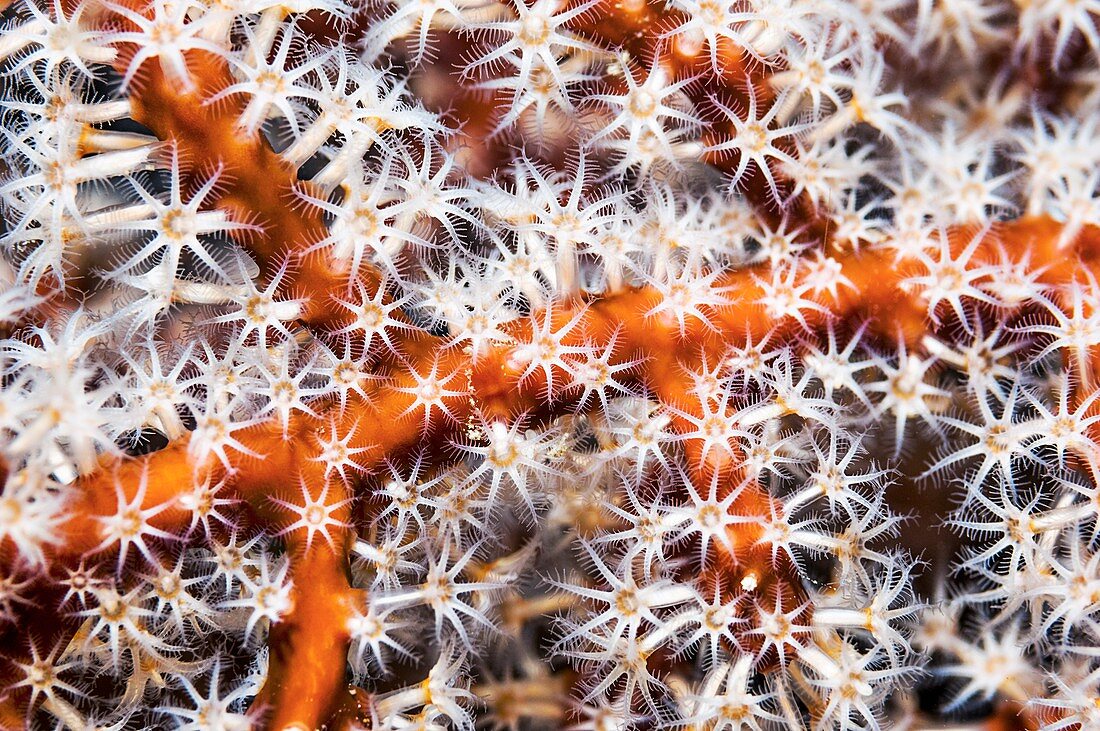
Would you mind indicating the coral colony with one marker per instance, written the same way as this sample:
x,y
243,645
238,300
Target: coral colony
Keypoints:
x,y
566,364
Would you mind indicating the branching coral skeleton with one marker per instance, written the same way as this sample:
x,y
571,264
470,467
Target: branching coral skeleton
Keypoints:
x,y
554,365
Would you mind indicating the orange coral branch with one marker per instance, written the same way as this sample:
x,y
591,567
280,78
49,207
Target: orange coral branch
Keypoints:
x,y
306,685
308,649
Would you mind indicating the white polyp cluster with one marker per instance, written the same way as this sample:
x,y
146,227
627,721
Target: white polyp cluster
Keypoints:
x,y
481,169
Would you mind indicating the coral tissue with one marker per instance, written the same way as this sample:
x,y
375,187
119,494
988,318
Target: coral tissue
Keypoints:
x,y
550,364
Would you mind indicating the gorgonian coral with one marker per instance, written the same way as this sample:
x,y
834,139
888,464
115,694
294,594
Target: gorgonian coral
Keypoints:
x,y
439,363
